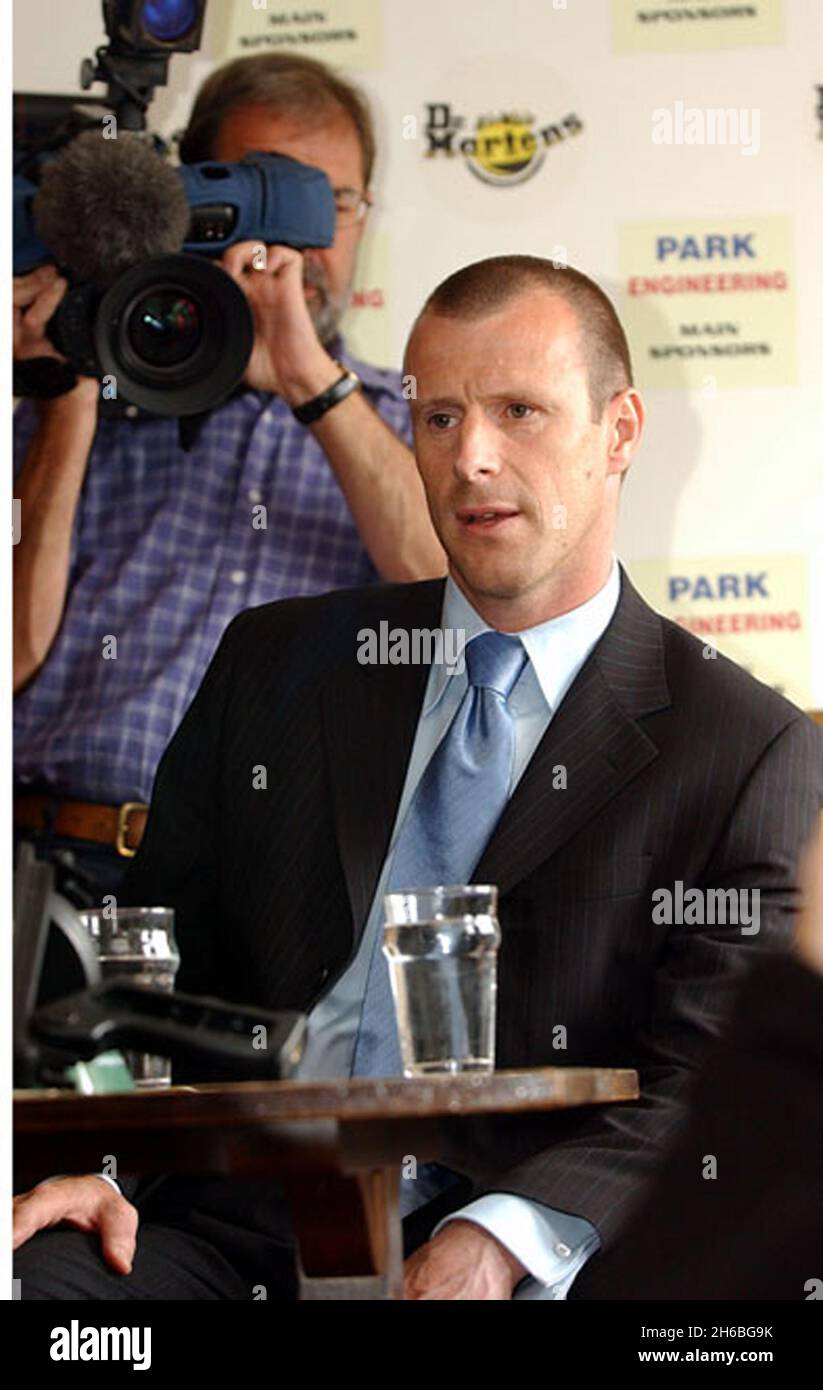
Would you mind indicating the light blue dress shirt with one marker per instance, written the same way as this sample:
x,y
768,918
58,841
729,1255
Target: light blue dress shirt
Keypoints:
x,y
552,1245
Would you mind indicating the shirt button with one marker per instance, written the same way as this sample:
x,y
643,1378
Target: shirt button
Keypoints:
x,y
237,576
562,1249
255,495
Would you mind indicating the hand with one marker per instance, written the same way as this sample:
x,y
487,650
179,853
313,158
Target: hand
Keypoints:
x,y
86,1202
809,937
463,1261
35,298
288,358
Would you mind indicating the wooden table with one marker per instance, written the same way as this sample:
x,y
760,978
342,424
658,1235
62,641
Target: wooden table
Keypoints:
x,y
336,1146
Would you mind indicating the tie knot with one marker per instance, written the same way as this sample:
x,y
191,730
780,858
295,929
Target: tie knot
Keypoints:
x,y
494,660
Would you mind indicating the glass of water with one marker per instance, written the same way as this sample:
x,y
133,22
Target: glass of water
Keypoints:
x,y
137,944
441,945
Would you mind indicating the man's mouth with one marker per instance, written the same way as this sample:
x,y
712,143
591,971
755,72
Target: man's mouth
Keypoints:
x,y
475,519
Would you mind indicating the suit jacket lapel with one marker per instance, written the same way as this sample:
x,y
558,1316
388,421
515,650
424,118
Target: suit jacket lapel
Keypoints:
x,y
370,718
594,736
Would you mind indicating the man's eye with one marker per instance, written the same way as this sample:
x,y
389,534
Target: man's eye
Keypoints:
x,y
518,410
440,420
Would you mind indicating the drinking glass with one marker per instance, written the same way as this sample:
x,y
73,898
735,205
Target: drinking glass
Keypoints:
x,y
441,945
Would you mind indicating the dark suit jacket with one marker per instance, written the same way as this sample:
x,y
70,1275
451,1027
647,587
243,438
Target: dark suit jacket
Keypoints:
x,y
678,768
755,1230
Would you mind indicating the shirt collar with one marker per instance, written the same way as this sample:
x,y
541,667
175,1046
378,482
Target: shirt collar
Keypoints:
x,y
556,649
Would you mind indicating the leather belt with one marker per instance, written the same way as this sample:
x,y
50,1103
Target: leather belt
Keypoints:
x,y
119,826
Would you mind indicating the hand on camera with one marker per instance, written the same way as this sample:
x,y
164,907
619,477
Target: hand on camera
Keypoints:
x,y
288,358
35,298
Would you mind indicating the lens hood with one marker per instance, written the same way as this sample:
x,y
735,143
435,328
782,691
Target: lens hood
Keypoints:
x,y
176,333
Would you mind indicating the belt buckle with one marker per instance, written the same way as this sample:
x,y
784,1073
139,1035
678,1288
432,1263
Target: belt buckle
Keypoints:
x,y
123,814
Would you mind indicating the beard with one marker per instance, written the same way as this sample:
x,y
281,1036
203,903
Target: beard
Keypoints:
x,y
326,309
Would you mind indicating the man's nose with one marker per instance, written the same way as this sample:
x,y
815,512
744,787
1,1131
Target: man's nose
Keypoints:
x,y
477,449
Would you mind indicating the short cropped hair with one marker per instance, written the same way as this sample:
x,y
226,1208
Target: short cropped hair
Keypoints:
x,y
288,85
487,286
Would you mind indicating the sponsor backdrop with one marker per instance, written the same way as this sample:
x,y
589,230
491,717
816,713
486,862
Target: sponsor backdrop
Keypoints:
x,y
671,149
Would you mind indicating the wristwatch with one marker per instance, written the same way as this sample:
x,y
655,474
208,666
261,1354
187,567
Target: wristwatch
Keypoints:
x,y
310,411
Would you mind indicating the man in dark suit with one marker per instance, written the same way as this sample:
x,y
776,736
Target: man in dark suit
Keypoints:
x,y
643,826
751,1225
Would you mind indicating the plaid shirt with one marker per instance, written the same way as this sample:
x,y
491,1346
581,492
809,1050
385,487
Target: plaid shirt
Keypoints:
x,y
167,548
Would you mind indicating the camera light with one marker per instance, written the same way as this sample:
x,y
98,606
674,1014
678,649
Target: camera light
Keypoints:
x,y
168,20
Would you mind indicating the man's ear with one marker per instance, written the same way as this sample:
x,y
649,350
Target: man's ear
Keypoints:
x,y
627,417
364,220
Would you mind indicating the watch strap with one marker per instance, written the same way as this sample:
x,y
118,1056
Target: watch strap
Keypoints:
x,y
312,410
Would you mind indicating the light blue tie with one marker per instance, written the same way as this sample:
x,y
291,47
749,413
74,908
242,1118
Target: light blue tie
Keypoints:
x,y
458,802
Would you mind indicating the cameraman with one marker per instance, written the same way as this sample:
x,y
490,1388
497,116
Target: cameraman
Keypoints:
x,y
135,553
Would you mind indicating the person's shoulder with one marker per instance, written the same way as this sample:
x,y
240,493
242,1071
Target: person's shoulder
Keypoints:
x,y
701,661
711,694
329,623
714,689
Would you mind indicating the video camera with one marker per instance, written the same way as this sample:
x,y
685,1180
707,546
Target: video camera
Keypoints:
x,y
146,310
173,332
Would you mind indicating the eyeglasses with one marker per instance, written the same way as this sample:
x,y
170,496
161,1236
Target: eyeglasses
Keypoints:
x,y
351,206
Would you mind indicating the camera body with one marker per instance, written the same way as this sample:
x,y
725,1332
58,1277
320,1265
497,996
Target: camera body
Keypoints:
x,y
174,332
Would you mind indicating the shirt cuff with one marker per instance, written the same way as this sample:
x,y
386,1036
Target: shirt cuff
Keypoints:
x,y
553,1245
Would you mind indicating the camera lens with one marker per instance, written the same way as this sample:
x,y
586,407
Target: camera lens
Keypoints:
x,y
175,333
164,327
